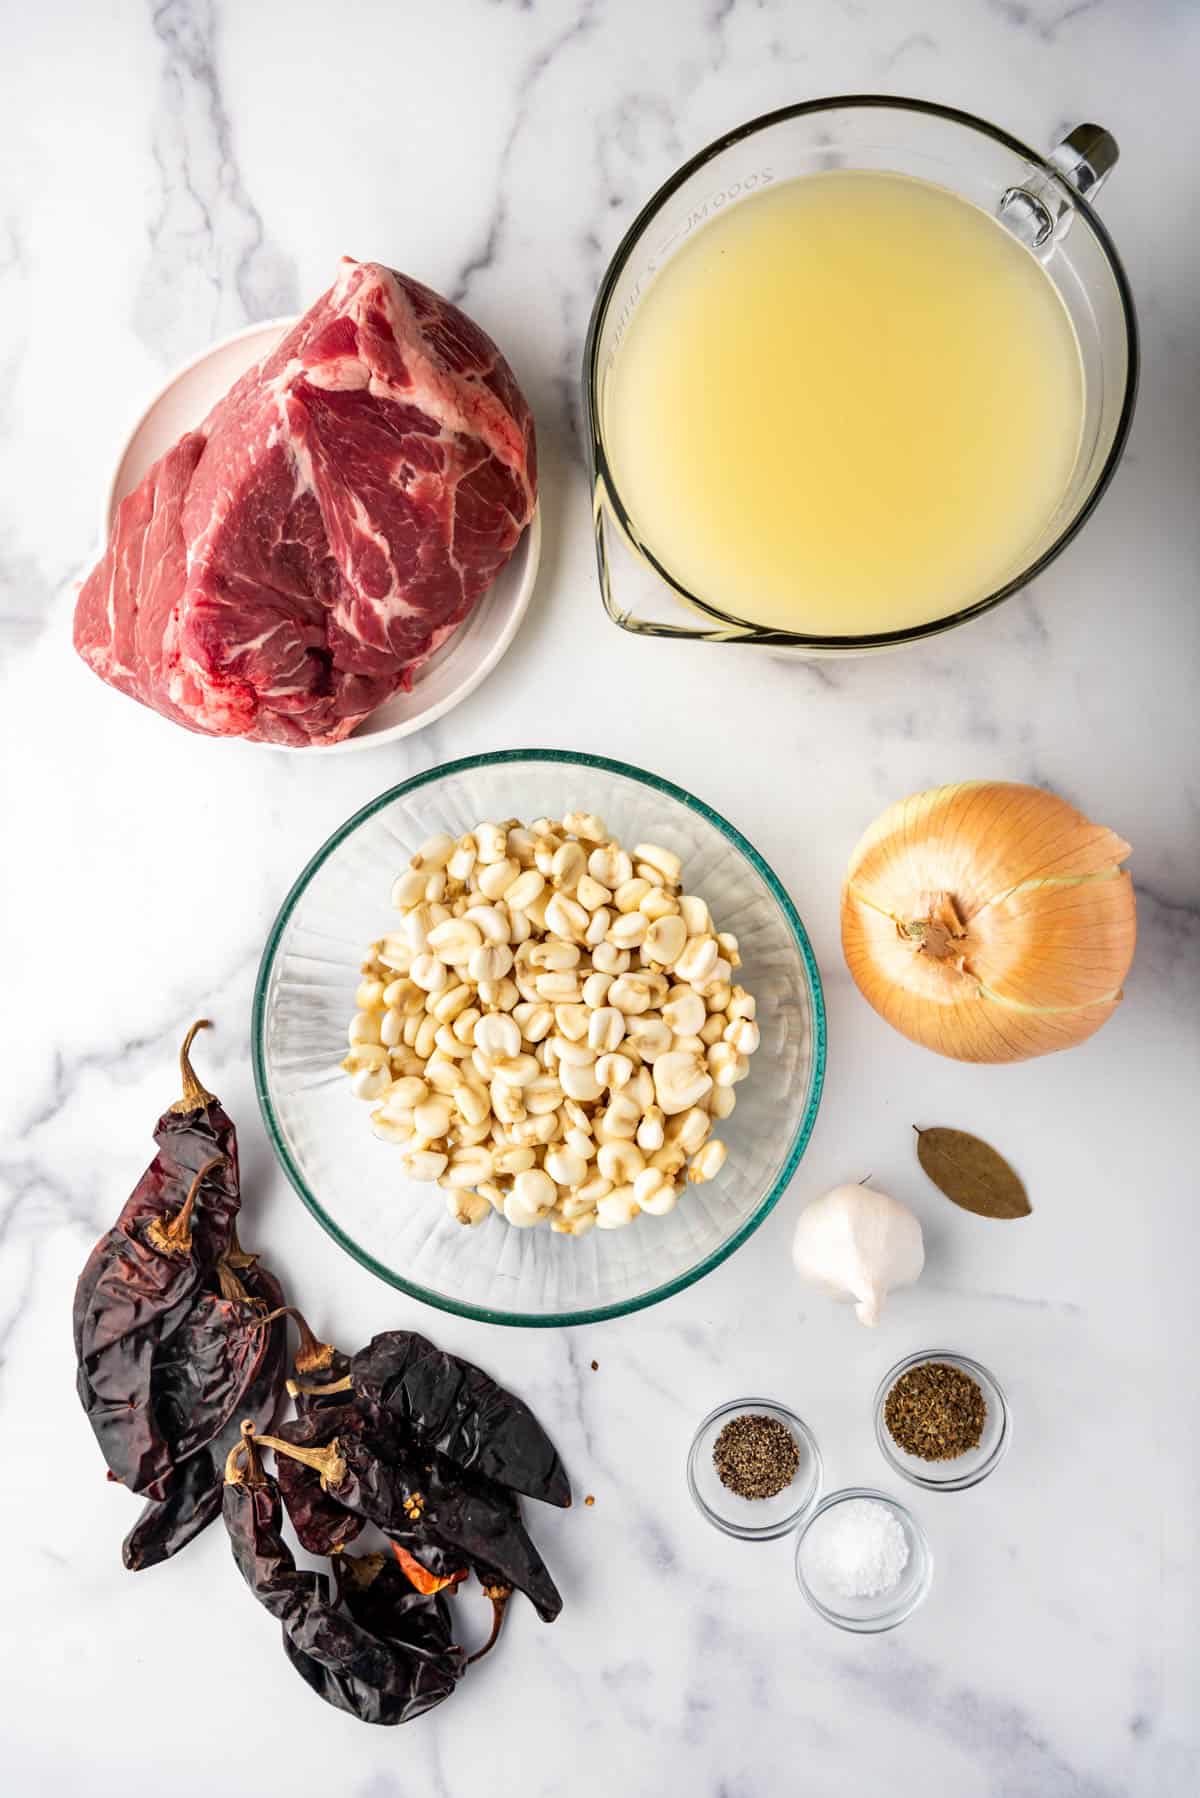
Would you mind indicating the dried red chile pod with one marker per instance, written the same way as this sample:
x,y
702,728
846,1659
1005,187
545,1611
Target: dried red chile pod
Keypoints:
x,y
388,1669
441,1515
167,1525
452,1406
139,1282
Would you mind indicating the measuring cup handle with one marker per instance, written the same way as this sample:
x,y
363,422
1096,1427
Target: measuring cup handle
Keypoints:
x,y
1086,157
1036,212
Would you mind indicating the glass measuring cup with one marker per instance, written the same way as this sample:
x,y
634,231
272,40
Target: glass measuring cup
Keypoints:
x,y
1044,200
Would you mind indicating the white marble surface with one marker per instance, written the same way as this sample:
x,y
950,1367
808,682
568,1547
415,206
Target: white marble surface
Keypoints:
x,y
174,170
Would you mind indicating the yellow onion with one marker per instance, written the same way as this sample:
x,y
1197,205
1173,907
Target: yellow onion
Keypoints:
x,y
989,921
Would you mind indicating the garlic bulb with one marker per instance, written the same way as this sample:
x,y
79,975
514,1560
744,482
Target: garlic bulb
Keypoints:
x,y
858,1244
989,921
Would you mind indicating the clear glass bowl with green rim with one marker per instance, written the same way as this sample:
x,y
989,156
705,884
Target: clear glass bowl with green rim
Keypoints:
x,y
352,1182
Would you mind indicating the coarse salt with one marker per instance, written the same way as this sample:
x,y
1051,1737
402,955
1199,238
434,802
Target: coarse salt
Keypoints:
x,y
857,1549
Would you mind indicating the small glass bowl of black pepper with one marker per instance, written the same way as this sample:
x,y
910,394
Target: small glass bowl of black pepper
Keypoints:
x,y
758,1445
942,1420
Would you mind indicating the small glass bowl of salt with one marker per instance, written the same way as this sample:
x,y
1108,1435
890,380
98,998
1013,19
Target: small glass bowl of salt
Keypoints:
x,y
863,1561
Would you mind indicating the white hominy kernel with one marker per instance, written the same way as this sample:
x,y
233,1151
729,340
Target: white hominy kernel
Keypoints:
x,y
433,854
575,1055
542,1096
591,894
661,1199
605,1026
441,1073
513,1159
698,960
620,1161
630,993
464,1024
713,1029
391,1028
565,1167
573,1226
608,959
650,1036
593,1190
429,973
462,862
369,996
370,1083
525,889
630,930
426,1037
616,1209
536,1020
534,1189
680,1081
432,1117
585,825
450,1003
425,1164
408,889
665,860
471,1106
610,866
557,987
520,1216
694,913
490,921
684,1010
567,866
365,1027
515,1070
571,1021
722,1101
708,1163
666,940
491,842
614,1071
629,895
640,1091
498,1036
496,878
580,1144
743,1034
649,1135
690,1130
467,1208
491,961
580,1083
723,1061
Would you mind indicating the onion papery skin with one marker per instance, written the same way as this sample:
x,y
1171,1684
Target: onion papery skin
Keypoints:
x,y
989,921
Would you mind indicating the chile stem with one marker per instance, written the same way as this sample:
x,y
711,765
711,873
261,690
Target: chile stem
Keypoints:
x,y
195,1096
329,1462
499,1596
175,1238
313,1355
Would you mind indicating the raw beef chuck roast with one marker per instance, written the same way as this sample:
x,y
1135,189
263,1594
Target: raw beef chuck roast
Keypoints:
x,y
283,570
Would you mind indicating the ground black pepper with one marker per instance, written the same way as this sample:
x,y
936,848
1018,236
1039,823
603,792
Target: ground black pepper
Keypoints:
x,y
756,1456
935,1411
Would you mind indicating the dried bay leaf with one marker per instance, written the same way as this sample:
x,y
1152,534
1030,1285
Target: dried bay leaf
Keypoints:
x,y
971,1173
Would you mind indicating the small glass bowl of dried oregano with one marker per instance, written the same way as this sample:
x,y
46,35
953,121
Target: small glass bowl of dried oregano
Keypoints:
x,y
942,1420
754,1469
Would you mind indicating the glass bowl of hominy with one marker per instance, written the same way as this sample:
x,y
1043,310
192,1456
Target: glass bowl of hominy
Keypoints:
x,y
355,1184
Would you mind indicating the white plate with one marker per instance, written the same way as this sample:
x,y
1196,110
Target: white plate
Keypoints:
x,y
457,668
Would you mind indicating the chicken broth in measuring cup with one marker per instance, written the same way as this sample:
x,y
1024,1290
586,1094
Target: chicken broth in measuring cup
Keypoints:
x,y
850,404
